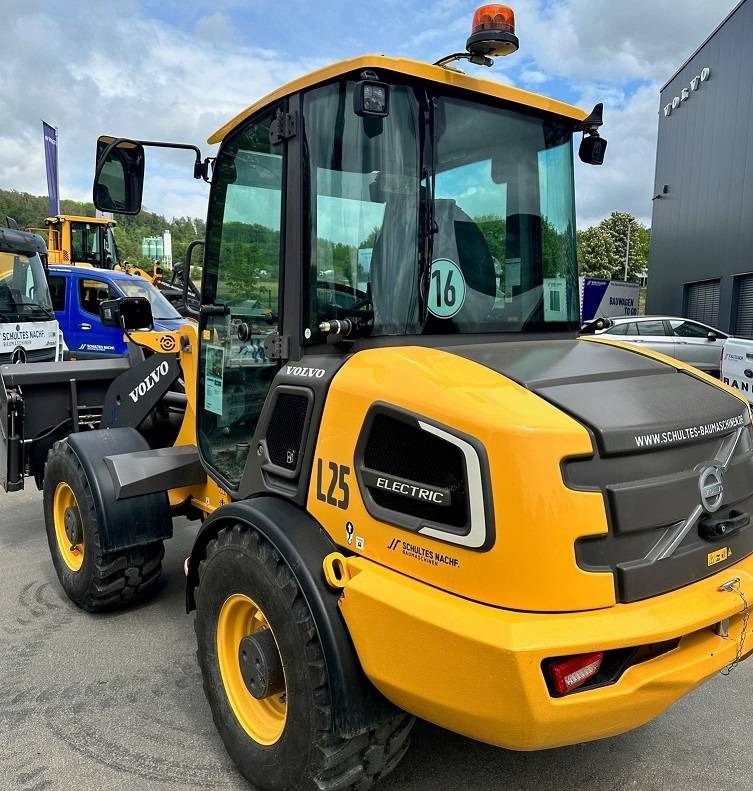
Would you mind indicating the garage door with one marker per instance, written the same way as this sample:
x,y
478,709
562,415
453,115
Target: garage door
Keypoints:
x,y
744,313
703,302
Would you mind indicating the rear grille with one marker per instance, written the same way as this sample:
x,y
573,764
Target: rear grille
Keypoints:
x,y
286,427
649,498
398,447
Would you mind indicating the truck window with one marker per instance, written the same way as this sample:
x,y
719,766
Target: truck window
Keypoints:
x,y
92,292
57,291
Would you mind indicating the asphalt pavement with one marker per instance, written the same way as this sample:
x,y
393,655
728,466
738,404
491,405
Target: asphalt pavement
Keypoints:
x,y
106,702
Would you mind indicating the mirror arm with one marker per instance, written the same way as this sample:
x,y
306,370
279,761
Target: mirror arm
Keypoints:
x,y
200,168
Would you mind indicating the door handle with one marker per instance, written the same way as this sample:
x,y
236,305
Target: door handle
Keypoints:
x,y
84,326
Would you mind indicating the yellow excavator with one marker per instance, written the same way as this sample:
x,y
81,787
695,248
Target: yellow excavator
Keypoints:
x,y
421,493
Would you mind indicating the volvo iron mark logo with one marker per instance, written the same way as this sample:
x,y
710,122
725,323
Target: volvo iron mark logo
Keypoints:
x,y
19,355
711,484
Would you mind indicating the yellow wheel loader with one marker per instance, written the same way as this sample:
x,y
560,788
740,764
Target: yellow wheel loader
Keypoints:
x,y
90,241
420,493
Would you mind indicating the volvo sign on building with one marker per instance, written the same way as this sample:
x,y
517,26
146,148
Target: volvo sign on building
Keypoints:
x,y
701,258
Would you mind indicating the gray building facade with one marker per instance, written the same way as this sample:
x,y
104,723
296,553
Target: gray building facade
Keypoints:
x,y
701,258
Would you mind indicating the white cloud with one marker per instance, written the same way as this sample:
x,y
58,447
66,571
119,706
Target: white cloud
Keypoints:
x,y
123,74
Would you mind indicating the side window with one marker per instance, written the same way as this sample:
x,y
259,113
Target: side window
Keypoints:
x,y
651,328
92,292
57,291
688,329
631,329
242,271
618,329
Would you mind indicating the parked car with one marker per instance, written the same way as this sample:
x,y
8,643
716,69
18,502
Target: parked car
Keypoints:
x,y
690,341
76,292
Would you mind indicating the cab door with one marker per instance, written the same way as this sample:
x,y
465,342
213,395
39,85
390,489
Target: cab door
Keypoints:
x,y
241,296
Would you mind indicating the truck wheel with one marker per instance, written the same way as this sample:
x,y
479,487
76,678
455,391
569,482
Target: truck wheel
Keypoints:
x,y
92,579
265,677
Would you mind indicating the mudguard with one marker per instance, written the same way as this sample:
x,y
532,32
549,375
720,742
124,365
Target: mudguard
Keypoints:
x,y
303,545
124,523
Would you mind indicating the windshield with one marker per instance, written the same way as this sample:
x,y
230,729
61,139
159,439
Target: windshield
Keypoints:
x,y
502,251
85,242
23,288
161,307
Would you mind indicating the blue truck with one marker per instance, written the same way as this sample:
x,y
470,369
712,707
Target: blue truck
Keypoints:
x,y
76,293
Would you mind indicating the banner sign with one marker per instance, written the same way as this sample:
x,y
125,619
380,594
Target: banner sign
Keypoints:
x,y
600,298
51,160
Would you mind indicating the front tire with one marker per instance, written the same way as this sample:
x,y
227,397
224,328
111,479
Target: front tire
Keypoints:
x,y
92,579
283,742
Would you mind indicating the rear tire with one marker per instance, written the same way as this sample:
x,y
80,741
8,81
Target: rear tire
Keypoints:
x,y
304,754
92,579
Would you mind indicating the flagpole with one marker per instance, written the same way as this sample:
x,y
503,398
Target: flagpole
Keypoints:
x,y
57,169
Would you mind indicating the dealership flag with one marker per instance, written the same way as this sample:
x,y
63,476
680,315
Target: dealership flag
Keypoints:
x,y
51,159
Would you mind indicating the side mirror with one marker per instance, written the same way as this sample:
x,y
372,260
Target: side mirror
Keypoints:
x,y
126,313
596,325
592,150
712,336
119,176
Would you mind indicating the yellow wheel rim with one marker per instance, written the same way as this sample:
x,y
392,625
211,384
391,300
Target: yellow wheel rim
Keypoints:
x,y
263,720
65,499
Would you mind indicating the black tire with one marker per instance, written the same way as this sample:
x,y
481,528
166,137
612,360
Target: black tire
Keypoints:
x,y
308,756
106,579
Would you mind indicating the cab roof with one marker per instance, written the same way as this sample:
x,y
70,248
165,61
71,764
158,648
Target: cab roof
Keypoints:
x,y
91,271
78,218
410,68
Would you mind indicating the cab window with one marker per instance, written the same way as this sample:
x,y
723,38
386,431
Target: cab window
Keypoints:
x,y
91,292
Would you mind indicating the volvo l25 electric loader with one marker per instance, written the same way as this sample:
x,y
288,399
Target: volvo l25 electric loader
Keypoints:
x,y
420,494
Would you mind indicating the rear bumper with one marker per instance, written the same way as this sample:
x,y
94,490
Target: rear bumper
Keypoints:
x,y
476,669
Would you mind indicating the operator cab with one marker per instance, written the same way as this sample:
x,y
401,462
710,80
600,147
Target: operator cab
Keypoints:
x,y
377,201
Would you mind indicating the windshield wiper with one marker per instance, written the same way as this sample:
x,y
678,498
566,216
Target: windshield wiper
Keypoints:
x,y
47,312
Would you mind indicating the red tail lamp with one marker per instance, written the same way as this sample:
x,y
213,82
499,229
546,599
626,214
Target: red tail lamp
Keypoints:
x,y
493,31
572,672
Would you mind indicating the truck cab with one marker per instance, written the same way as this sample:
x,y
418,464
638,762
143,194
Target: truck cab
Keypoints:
x,y
28,327
76,294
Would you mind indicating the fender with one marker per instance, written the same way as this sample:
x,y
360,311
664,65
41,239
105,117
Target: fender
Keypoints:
x,y
303,545
129,522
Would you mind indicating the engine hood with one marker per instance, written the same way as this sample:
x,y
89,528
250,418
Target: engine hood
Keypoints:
x,y
630,402
589,455
661,435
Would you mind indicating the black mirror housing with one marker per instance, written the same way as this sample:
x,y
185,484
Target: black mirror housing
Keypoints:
x,y
592,150
127,313
119,175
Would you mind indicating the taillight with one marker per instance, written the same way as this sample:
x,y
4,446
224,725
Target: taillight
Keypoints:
x,y
572,672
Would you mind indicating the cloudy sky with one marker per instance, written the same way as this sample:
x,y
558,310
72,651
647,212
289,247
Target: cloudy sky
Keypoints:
x,y
177,70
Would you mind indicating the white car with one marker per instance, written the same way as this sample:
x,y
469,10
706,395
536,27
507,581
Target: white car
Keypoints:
x,y
684,339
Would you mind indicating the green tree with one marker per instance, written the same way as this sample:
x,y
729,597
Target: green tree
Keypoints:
x,y
602,248
595,253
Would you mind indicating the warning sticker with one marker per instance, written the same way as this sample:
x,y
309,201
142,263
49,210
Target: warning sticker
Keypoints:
x,y
215,364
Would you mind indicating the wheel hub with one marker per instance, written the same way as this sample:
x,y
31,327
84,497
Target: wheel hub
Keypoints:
x,y
261,667
72,524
